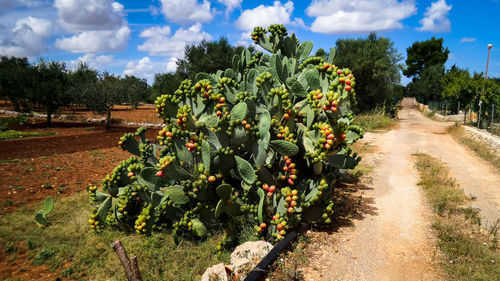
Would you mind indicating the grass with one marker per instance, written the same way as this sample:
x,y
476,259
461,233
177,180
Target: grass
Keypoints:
x,y
11,134
68,238
471,252
374,122
481,149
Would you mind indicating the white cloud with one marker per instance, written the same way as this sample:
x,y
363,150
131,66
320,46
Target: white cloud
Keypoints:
x,y
298,22
6,4
338,16
85,15
158,43
156,31
145,68
467,40
187,11
265,15
230,5
436,17
93,61
96,41
27,38
172,65
41,27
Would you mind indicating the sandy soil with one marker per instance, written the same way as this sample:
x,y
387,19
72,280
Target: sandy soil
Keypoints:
x,y
391,238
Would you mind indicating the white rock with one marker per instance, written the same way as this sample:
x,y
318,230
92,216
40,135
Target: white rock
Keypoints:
x,y
216,272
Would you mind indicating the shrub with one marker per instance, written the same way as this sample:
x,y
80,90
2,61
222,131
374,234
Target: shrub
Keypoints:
x,y
259,144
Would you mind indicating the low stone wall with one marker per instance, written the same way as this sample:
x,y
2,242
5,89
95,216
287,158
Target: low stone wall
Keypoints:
x,y
491,140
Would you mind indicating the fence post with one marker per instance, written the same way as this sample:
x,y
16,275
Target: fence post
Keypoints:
x,y
470,111
479,115
492,114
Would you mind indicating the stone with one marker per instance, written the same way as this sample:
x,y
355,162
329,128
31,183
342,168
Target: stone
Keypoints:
x,y
215,273
247,255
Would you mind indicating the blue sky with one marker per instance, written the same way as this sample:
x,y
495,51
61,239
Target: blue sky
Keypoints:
x,y
142,38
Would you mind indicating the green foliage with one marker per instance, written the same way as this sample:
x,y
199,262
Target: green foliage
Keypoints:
x,y
375,62
425,63
17,81
41,216
135,90
51,86
164,83
257,144
208,57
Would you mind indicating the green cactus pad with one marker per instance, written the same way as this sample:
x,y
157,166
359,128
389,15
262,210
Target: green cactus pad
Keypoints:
x,y
48,205
40,218
199,228
245,169
224,191
285,147
176,194
239,111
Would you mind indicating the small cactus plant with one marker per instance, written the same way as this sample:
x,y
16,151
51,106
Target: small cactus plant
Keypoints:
x,y
41,216
257,144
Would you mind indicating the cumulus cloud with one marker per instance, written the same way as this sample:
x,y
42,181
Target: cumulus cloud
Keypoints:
x,y
338,17
230,5
27,38
187,11
146,68
84,15
96,41
158,42
436,17
467,40
93,61
99,26
7,4
265,15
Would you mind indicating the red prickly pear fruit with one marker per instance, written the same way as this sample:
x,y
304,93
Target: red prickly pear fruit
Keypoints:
x,y
265,187
342,136
325,107
272,188
229,201
348,82
290,181
269,194
219,113
348,88
211,178
131,174
288,162
222,100
263,225
286,116
279,226
160,173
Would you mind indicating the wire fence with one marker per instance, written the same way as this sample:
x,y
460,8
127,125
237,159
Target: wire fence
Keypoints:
x,y
477,114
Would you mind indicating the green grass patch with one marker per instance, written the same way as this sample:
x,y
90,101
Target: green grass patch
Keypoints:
x,y
68,238
471,252
12,134
375,122
481,149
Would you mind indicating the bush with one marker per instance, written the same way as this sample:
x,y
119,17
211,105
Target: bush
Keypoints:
x,y
259,144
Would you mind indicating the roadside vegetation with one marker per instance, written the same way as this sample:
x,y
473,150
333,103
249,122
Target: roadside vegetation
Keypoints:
x,y
372,122
481,149
73,251
12,134
471,250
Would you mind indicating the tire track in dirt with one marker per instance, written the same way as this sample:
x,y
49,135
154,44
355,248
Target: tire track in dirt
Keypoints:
x,y
393,243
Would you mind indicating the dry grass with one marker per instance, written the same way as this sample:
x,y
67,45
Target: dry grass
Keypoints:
x,y
481,149
471,252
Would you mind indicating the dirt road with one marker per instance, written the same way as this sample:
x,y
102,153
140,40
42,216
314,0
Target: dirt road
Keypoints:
x,y
394,241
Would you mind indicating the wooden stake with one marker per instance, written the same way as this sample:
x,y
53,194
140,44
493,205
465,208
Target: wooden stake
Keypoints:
x,y
131,267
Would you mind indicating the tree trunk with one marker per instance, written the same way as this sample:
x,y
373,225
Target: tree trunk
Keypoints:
x,y
108,119
49,118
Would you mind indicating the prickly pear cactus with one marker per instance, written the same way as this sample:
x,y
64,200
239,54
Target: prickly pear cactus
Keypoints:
x,y
256,145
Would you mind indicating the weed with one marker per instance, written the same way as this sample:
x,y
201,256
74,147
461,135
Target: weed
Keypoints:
x,y
481,149
471,253
375,122
70,238
11,134
10,161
